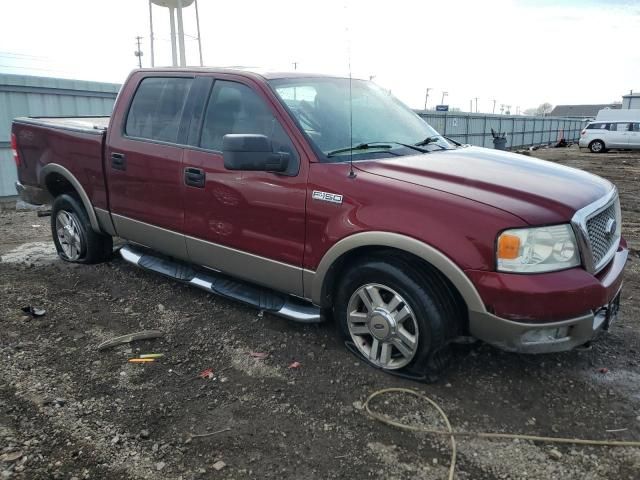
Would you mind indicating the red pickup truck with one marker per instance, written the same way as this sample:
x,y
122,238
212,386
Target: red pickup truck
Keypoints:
x,y
308,194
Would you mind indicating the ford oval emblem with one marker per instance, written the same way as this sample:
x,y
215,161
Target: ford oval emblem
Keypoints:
x,y
610,227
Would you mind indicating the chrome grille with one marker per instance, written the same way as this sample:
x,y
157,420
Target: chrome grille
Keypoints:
x,y
603,234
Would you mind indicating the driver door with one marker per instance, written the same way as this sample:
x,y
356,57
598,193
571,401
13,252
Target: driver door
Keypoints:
x,y
247,224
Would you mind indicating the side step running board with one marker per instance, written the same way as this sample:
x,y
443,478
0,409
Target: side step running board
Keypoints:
x,y
259,297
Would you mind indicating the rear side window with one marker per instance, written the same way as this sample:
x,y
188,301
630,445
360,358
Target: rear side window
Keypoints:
x,y
156,109
636,127
620,127
235,108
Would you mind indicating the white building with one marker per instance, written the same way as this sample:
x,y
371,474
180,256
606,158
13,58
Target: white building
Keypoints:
x,y
631,100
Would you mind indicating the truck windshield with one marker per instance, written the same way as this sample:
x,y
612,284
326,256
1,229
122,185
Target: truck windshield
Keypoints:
x,y
322,108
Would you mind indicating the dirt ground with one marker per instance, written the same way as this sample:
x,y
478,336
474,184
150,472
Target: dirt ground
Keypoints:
x,y
68,411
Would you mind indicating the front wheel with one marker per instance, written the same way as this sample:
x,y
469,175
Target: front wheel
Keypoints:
x,y
392,314
73,236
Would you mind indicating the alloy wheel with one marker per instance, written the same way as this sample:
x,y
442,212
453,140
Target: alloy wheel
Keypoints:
x,y
382,326
69,235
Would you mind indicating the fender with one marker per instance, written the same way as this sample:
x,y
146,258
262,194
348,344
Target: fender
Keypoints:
x,y
314,281
84,198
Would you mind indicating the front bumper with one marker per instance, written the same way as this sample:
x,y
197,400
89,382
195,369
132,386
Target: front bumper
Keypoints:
x,y
544,313
542,338
33,195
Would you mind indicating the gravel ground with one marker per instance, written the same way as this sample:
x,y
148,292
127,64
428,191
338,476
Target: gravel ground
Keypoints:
x,y
69,411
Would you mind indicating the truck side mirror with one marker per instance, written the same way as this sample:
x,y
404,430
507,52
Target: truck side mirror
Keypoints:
x,y
252,152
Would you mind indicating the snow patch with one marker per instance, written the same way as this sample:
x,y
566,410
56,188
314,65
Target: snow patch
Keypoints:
x,y
36,253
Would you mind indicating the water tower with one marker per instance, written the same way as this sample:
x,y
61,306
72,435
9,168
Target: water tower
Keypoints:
x,y
175,13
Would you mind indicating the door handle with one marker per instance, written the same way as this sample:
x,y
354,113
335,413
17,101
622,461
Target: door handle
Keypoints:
x,y
118,161
194,177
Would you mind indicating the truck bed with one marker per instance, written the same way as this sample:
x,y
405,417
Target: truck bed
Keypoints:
x,y
84,124
72,144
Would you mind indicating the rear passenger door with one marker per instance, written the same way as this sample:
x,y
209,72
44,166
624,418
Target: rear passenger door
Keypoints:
x,y
248,224
619,135
634,135
143,163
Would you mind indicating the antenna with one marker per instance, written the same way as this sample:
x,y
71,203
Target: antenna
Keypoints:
x,y
352,174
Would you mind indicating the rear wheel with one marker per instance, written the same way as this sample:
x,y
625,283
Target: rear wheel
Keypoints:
x,y
597,146
73,236
394,315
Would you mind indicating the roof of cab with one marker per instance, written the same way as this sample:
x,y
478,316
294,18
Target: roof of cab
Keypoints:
x,y
240,70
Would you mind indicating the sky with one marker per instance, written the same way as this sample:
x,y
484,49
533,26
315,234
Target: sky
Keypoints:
x,y
518,52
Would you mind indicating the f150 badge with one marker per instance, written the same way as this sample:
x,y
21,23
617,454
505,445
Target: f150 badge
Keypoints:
x,y
327,197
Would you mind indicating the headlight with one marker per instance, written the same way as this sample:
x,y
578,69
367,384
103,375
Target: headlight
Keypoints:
x,y
534,250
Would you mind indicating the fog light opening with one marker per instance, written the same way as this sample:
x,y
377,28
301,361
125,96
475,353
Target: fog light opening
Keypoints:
x,y
546,335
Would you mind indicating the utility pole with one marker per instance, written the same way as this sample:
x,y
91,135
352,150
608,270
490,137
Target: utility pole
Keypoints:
x,y
494,106
471,106
476,99
444,94
138,53
295,65
426,97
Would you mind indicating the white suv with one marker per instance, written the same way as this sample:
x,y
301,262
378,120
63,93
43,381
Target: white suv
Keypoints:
x,y
601,136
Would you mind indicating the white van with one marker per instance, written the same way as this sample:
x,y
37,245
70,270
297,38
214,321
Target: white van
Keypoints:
x,y
600,136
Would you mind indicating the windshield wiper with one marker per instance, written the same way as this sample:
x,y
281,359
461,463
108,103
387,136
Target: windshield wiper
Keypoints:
x,y
429,141
360,146
371,145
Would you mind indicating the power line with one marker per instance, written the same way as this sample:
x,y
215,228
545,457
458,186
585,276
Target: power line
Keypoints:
x,y
13,54
35,68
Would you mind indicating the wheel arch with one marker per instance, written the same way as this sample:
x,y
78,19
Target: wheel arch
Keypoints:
x,y
317,285
56,179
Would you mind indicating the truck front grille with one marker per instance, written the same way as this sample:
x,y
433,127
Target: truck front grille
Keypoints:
x,y
604,233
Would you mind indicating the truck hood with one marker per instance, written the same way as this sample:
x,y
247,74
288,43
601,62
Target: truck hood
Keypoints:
x,y
537,191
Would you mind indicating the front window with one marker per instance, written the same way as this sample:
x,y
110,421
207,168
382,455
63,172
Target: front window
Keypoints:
x,y
336,117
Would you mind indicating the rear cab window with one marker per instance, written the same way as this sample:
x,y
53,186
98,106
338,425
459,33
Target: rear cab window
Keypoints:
x,y
156,110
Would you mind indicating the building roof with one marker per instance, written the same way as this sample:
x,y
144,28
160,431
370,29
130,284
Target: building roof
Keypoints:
x,y
581,111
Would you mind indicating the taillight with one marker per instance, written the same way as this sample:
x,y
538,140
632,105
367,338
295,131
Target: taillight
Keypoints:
x,y
14,150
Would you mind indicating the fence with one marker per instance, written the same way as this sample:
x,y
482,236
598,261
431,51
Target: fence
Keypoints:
x,y
521,131
23,95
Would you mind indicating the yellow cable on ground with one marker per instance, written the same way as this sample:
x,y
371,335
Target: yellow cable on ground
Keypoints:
x,y
451,434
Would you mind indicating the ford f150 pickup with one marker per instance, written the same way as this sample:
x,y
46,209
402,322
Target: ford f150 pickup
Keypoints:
x,y
313,196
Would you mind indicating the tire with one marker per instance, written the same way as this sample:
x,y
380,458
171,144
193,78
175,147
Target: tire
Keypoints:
x,y
422,296
73,236
597,146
